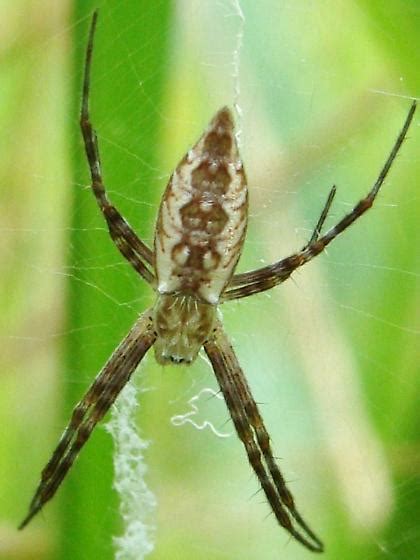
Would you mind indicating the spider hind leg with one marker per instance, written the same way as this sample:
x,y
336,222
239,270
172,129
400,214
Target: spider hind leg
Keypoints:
x,y
265,278
138,254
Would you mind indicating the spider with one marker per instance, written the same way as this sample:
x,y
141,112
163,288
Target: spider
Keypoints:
x,y
199,235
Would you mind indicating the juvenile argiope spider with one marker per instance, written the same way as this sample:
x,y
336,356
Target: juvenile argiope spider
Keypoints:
x,y
199,235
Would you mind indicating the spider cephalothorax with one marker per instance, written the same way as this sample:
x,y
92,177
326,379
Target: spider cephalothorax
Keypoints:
x,y
199,235
182,324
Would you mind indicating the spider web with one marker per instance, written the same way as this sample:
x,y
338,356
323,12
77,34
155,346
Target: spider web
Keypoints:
x,y
320,92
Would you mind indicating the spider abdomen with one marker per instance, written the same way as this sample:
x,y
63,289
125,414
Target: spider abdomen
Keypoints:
x,y
203,215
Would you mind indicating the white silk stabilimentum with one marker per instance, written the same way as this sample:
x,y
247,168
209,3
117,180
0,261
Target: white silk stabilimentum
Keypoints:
x,y
137,502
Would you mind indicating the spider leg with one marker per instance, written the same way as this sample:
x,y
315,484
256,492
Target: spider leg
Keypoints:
x,y
91,409
318,228
253,434
124,237
248,283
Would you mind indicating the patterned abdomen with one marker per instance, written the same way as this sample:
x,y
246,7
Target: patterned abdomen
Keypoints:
x,y
203,216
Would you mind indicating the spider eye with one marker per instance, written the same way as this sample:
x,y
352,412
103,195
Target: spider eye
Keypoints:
x,y
165,355
177,359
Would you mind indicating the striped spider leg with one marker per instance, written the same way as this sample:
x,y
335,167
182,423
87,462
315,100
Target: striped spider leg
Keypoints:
x,y
199,235
92,408
251,430
265,278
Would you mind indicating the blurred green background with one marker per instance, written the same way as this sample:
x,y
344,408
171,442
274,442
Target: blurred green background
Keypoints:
x,y
332,356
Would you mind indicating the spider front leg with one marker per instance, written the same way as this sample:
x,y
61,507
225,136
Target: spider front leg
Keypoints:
x,y
92,408
128,243
248,283
253,434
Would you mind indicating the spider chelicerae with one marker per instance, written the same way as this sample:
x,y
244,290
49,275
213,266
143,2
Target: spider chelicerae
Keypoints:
x,y
199,235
